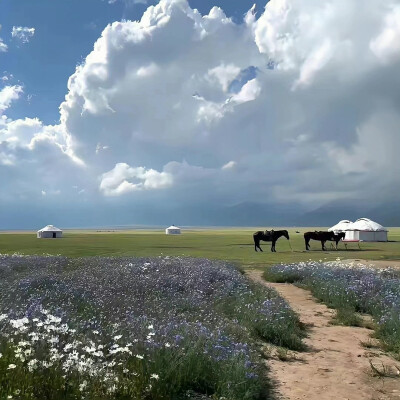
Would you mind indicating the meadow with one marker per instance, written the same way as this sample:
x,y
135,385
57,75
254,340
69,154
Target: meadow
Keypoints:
x,y
234,245
142,315
136,328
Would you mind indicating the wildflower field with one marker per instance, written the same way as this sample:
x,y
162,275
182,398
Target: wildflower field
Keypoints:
x,y
352,289
136,328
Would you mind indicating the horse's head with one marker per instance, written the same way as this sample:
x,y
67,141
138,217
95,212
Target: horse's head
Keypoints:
x,y
286,234
342,235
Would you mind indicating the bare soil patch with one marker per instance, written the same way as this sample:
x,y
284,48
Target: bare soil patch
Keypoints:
x,y
336,366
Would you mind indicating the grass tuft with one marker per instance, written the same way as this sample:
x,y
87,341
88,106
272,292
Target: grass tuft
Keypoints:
x,y
347,317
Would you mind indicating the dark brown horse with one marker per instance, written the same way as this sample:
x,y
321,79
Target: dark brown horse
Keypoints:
x,y
268,236
338,238
321,236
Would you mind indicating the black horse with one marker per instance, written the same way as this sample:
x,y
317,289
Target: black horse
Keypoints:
x,y
268,236
322,236
338,238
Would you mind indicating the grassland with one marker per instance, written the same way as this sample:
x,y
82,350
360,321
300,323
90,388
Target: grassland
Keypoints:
x,y
235,245
197,317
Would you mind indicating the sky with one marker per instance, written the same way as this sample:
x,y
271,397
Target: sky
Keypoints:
x,y
196,112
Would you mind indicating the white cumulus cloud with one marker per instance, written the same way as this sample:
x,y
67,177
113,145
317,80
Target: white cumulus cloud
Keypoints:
x,y
3,46
224,75
22,33
124,179
229,165
7,95
386,46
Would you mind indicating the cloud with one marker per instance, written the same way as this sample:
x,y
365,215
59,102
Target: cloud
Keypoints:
x,y
249,92
31,153
147,71
3,46
318,58
22,131
6,77
8,94
123,179
224,75
100,148
303,98
22,33
229,165
386,46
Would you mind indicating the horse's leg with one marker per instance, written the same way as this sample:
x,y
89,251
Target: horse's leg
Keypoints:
x,y
323,245
273,246
307,245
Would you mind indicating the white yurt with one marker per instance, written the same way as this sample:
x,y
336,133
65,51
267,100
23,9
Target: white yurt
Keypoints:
x,y
173,230
366,230
341,226
49,232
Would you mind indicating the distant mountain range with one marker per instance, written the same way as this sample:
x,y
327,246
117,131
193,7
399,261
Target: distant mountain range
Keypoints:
x,y
243,214
258,214
387,214
266,215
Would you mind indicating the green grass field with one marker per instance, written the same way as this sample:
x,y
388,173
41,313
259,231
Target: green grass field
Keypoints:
x,y
234,245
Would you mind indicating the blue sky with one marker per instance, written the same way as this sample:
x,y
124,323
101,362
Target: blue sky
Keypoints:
x,y
133,113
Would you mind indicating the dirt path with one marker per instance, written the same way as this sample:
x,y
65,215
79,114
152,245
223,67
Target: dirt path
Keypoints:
x,y
337,366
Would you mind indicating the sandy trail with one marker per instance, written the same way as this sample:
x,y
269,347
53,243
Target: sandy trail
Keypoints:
x,y
336,366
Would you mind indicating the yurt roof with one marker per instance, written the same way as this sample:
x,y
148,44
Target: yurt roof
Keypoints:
x,y
341,225
365,224
50,228
173,227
